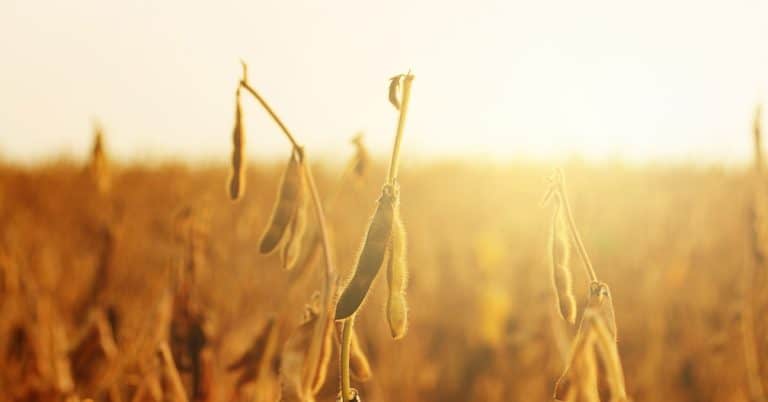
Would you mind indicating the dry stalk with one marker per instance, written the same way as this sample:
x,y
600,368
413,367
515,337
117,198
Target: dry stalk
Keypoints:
x,y
376,247
172,372
757,241
318,347
598,323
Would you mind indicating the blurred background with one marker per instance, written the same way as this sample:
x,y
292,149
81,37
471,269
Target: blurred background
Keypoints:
x,y
656,80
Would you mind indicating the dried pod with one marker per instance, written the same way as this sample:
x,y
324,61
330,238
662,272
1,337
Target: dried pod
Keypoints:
x,y
359,366
605,342
594,335
371,256
289,198
290,248
562,279
394,89
600,301
397,278
583,343
362,158
310,255
237,177
586,377
580,383
322,343
99,167
306,355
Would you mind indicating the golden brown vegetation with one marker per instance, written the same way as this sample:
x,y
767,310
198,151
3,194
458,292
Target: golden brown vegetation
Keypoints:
x,y
481,298
156,286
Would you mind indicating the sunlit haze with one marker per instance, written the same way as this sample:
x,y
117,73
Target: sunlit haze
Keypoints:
x,y
651,80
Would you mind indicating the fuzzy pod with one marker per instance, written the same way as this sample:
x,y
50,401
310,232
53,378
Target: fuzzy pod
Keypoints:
x,y
562,279
237,176
397,278
289,199
371,256
397,315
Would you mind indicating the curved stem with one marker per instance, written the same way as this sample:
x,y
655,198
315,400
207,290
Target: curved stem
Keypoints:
x,y
346,343
269,110
395,160
316,242
318,206
330,280
574,232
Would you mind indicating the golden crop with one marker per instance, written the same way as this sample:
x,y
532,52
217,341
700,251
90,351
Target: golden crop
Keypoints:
x,y
139,283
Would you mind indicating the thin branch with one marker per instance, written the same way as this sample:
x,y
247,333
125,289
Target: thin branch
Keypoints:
x,y
346,342
330,280
172,372
329,267
265,105
395,160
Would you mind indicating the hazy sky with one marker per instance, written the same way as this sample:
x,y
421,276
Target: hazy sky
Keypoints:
x,y
654,79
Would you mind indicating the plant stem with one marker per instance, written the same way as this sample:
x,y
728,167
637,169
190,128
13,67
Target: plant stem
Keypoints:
x,y
346,342
172,372
330,280
316,240
394,162
318,206
750,278
272,114
758,140
574,232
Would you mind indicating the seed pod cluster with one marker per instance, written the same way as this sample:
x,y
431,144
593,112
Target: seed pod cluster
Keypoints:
x,y
371,256
562,279
288,222
237,176
397,278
